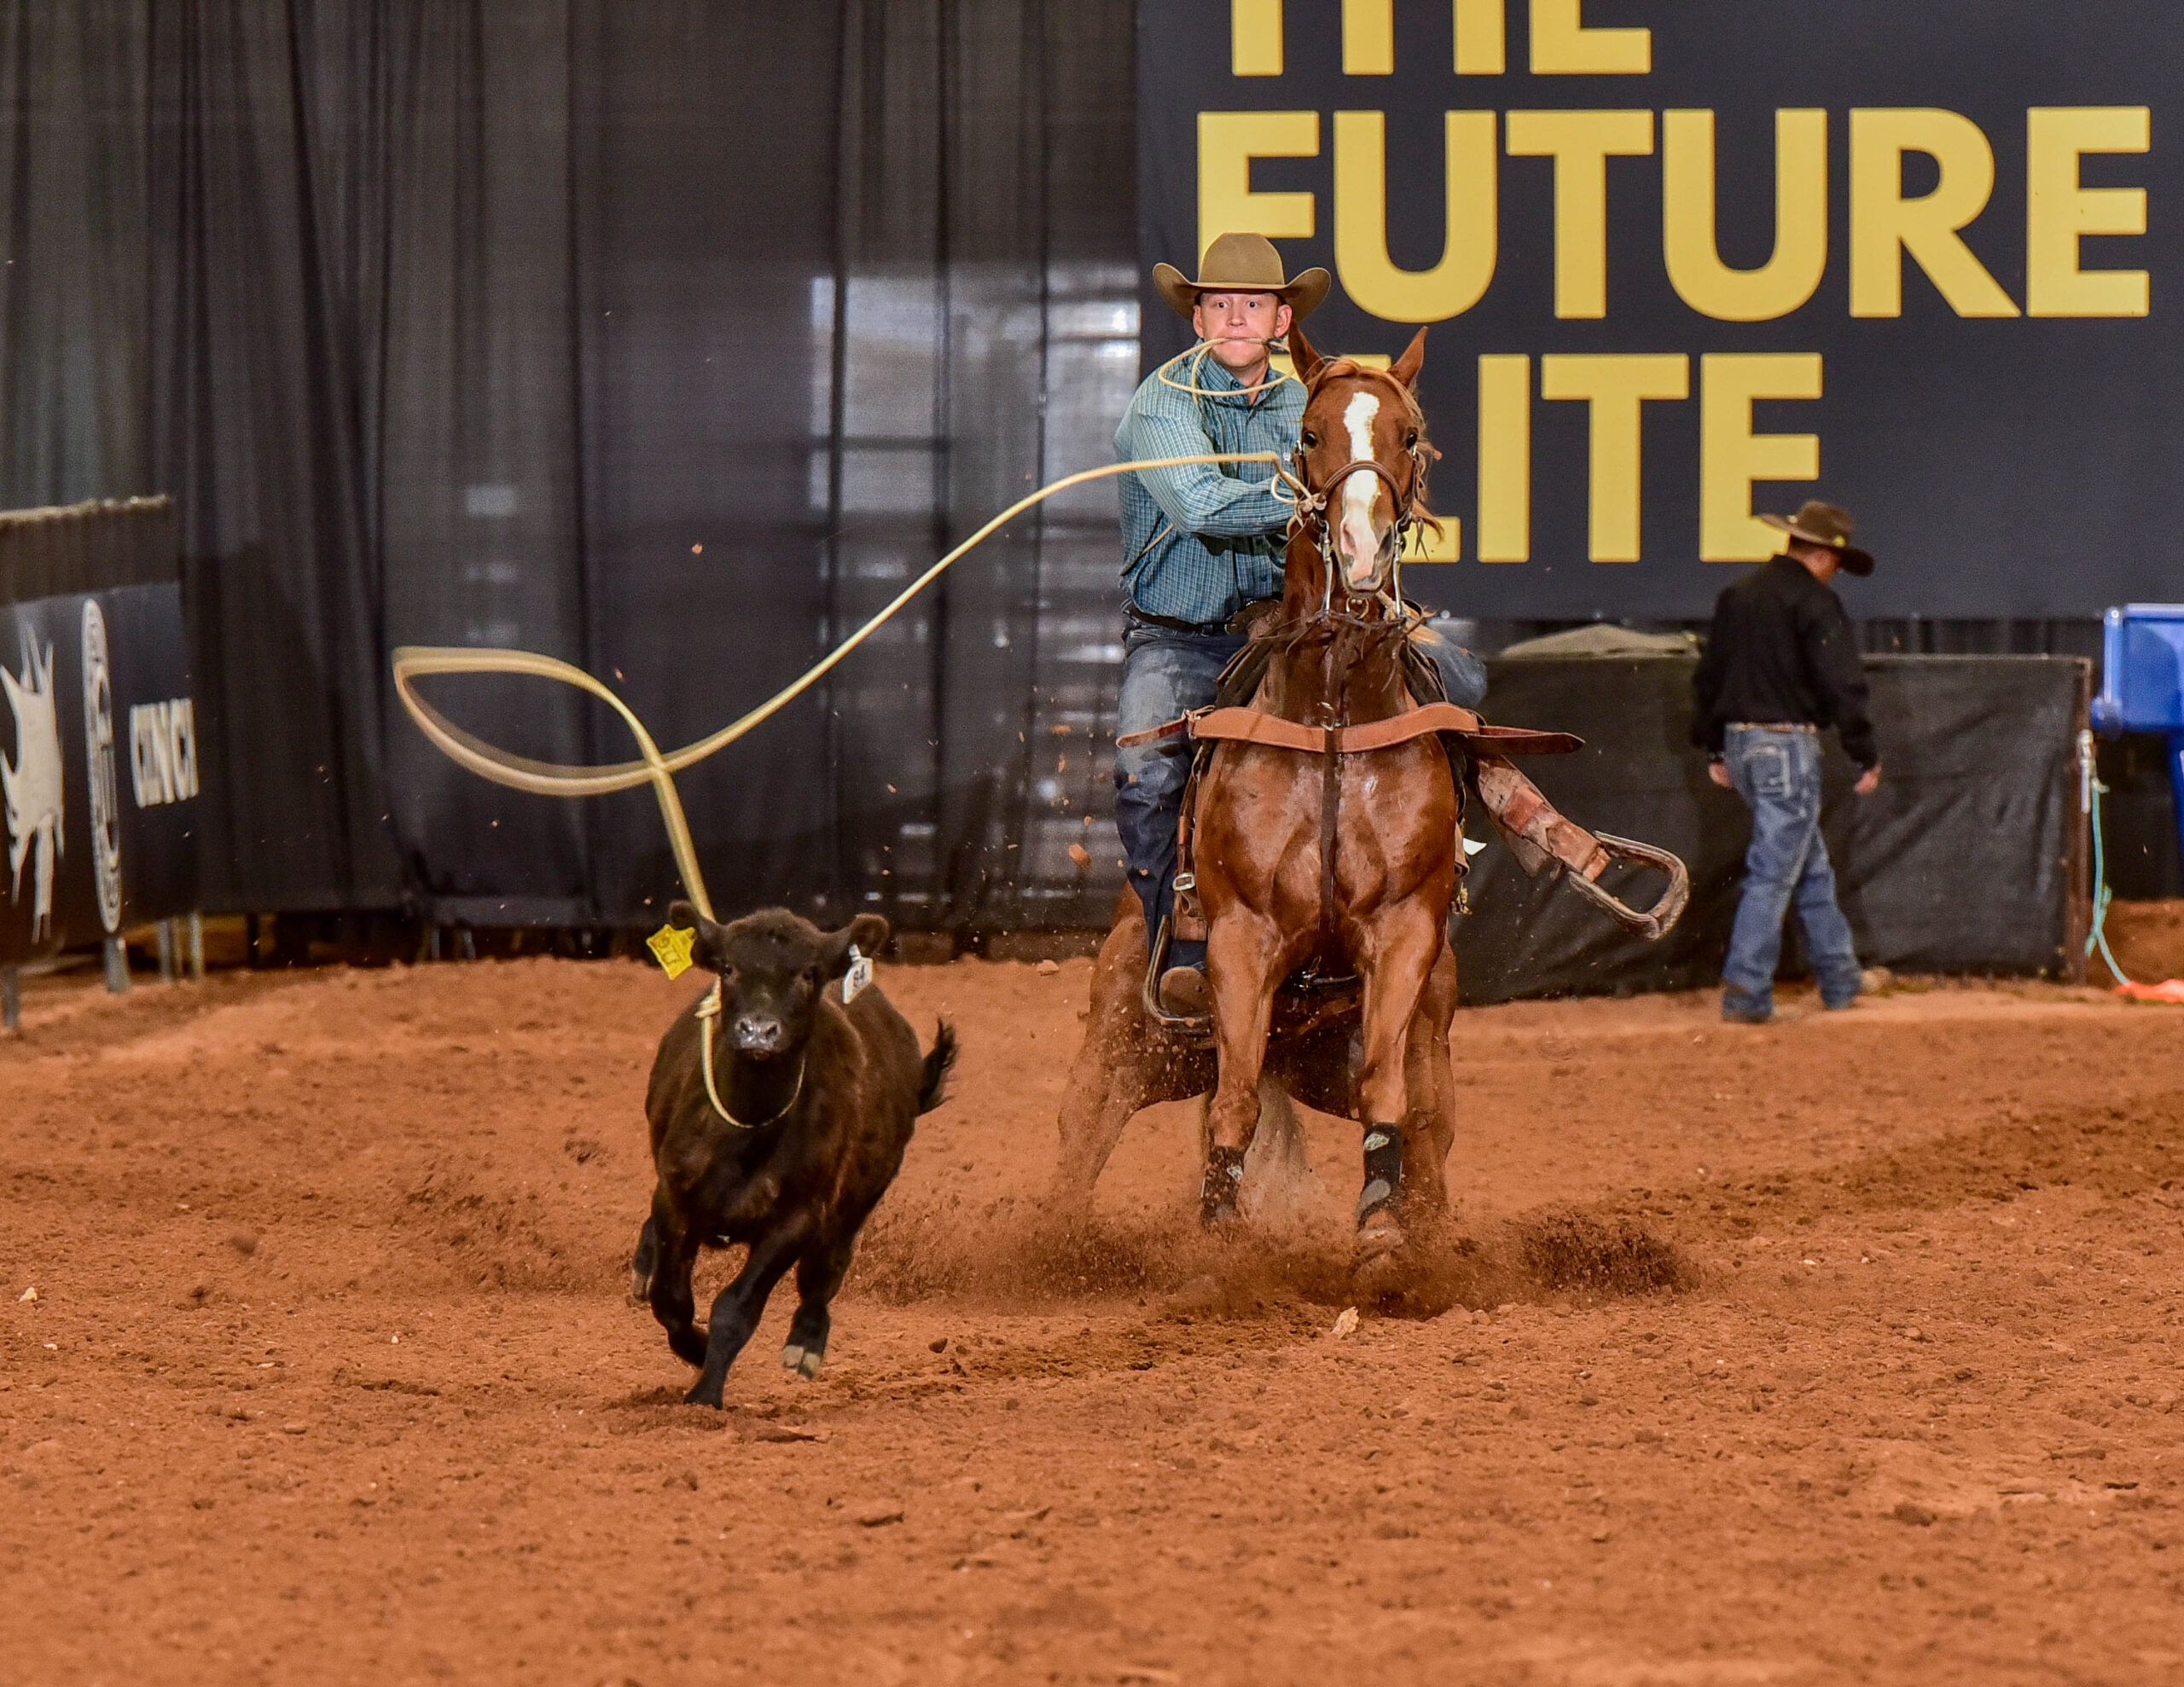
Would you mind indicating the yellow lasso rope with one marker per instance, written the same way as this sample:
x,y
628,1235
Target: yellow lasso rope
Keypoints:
x,y
656,768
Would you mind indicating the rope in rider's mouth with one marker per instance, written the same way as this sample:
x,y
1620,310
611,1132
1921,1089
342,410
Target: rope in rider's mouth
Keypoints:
x,y
1198,354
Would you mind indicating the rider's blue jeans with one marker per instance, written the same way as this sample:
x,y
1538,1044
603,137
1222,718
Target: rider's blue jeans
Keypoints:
x,y
1165,672
1778,775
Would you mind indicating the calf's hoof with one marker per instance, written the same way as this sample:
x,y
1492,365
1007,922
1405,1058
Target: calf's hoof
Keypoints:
x,y
687,1344
643,1262
804,1361
705,1394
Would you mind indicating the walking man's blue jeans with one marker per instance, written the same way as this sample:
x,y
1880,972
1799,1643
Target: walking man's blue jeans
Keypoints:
x,y
1778,775
1165,672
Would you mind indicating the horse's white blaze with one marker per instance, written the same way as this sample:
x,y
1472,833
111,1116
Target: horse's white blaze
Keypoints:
x,y
1360,492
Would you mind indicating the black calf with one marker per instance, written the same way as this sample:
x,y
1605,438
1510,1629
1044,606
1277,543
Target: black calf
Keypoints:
x,y
811,1105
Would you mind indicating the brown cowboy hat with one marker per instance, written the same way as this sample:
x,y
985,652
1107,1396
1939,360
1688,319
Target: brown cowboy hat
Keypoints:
x,y
1241,264
1819,524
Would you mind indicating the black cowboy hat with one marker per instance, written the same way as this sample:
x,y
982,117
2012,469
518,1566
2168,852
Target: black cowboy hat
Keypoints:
x,y
1819,524
1241,264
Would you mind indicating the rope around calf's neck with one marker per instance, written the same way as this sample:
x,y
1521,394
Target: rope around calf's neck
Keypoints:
x,y
708,1023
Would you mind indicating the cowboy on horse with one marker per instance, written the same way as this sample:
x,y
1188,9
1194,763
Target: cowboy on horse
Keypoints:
x,y
1305,853
1204,548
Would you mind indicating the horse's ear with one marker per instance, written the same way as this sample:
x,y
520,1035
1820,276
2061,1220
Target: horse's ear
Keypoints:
x,y
1406,367
1301,353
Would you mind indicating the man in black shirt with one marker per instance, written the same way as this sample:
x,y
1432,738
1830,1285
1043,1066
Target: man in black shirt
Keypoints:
x,y
1781,665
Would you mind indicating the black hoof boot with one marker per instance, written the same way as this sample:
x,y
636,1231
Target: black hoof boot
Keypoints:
x,y
1379,1203
1224,1176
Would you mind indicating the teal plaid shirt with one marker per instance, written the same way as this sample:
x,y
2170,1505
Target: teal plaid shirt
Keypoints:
x,y
1199,543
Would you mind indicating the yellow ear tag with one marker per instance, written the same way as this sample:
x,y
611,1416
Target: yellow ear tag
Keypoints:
x,y
670,947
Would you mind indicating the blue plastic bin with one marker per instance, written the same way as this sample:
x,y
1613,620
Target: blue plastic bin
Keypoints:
x,y
2142,682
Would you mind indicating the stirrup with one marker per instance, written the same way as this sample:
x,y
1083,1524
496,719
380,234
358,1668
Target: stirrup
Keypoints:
x,y
1654,923
1196,1028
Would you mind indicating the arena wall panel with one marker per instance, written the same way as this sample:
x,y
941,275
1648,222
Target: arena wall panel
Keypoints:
x,y
1972,857
100,762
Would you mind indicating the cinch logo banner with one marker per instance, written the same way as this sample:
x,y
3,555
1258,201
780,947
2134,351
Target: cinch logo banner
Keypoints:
x,y
163,751
1687,260
99,768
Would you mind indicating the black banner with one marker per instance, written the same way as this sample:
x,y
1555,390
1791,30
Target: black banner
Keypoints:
x,y
1970,858
1696,260
99,768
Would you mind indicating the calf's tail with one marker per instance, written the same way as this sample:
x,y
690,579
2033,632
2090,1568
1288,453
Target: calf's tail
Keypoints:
x,y
932,1085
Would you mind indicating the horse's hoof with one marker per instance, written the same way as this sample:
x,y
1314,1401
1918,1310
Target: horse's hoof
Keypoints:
x,y
1379,1234
804,1361
1217,1195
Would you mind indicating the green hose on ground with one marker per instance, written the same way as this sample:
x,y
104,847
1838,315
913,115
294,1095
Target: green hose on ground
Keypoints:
x,y
2102,895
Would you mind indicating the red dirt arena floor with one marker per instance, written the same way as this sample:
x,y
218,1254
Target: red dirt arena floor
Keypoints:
x,y
330,1377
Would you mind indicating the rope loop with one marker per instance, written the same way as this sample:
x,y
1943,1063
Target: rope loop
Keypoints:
x,y
657,767
1198,354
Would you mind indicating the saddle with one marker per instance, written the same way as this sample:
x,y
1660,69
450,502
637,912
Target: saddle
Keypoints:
x,y
1536,834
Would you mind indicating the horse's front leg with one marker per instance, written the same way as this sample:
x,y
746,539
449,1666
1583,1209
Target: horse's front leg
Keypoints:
x,y
1399,946
1243,955
1430,1121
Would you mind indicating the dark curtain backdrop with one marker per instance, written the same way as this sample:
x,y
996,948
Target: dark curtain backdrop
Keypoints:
x,y
667,337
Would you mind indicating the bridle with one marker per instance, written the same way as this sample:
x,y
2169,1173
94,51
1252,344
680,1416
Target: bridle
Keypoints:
x,y
1312,502
1394,620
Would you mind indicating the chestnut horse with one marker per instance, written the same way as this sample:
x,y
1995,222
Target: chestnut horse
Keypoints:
x,y
1348,858
1274,894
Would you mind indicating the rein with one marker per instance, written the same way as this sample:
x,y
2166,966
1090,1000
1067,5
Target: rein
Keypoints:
x,y
708,1022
